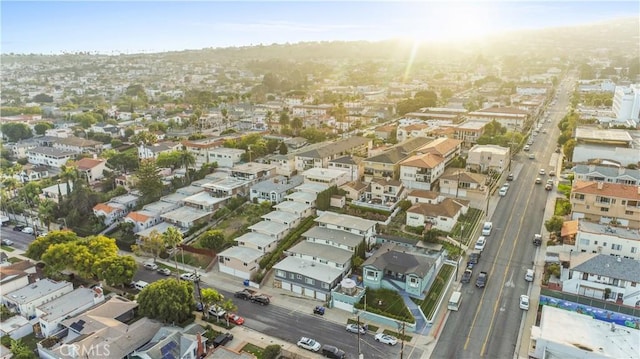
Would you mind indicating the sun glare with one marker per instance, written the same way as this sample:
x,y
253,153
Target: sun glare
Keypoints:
x,y
453,22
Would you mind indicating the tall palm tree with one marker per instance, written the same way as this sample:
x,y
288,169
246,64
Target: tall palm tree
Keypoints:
x,y
172,237
187,159
46,211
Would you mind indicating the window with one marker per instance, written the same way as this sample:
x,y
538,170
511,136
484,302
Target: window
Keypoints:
x,y
299,276
370,274
629,213
584,241
309,281
292,276
616,247
632,203
579,196
604,209
634,249
604,200
280,273
604,244
325,285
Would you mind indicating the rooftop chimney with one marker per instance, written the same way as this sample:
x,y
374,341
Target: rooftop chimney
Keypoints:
x,y
600,184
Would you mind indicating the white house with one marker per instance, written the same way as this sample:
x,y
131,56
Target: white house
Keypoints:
x,y
51,314
49,156
600,238
483,158
91,169
363,227
422,171
25,300
442,216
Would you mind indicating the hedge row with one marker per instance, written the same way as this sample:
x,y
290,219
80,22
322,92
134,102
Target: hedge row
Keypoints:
x,y
270,259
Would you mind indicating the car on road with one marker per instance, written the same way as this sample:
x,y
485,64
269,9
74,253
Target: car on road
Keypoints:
x,y
19,227
486,228
552,173
329,351
309,344
537,239
510,177
538,180
189,276
482,279
474,257
526,148
524,302
532,156
549,185
243,294
150,266
260,299
503,191
530,275
28,230
7,242
466,276
541,172
386,339
480,243
235,319
354,328
164,271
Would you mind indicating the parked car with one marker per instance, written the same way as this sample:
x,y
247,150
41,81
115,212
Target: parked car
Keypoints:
x,y
235,319
260,299
466,276
386,339
480,243
243,294
510,177
164,271
524,302
318,310
7,242
189,276
354,328
481,282
552,173
532,156
150,266
309,344
329,351
538,180
28,230
503,191
537,239
19,227
222,339
541,172
526,148
486,228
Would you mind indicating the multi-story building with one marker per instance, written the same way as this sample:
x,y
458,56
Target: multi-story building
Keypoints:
x,y
599,238
49,156
512,118
78,145
626,102
607,174
387,163
486,158
422,171
469,132
320,157
606,203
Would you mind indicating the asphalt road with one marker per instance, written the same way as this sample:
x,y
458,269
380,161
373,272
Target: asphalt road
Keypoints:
x,y
20,240
284,323
488,322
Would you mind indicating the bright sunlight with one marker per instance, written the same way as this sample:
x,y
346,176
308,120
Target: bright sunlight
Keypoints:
x,y
453,21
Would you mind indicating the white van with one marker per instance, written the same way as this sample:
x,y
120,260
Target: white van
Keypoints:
x,y
139,285
529,275
486,229
454,301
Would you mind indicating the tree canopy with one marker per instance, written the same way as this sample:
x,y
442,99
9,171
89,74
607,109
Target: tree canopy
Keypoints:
x,y
167,300
149,181
16,131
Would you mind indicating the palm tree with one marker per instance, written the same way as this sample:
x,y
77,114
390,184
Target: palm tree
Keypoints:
x,y
46,211
187,159
172,237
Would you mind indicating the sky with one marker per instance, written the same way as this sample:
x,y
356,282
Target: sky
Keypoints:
x,y
54,27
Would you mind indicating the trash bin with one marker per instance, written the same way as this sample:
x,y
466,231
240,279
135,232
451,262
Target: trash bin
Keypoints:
x,y
246,282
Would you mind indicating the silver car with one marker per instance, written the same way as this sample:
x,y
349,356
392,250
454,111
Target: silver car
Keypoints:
x,y
353,328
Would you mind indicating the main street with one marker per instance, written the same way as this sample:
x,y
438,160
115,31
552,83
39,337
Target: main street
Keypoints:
x,y
488,322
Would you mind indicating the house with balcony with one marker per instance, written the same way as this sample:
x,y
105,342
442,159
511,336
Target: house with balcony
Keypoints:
x,y
422,171
78,145
355,189
350,165
51,314
325,176
240,261
488,158
469,132
606,203
25,300
274,190
152,151
395,268
226,187
306,277
175,342
253,172
322,254
320,156
49,156
201,149
387,163
98,329
464,184
447,148
603,277
346,223
383,194
607,174
442,216
226,157
591,237
285,164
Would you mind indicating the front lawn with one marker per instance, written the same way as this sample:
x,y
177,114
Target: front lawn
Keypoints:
x,y
386,302
253,349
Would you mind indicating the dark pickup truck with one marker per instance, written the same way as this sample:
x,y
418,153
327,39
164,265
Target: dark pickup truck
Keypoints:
x,y
253,296
222,339
482,280
466,276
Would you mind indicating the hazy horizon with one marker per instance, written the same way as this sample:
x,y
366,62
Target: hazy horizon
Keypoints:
x,y
52,27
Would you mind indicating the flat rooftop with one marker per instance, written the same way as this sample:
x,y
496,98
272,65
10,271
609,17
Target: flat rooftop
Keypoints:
x,y
582,331
620,232
269,227
36,290
255,238
318,271
603,135
66,304
185,214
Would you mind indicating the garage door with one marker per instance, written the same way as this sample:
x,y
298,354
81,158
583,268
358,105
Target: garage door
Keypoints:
x,y
286,286
296,289
321,296
309,292
234,272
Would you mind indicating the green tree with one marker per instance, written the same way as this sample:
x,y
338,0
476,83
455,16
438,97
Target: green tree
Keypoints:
x,y
296,125
271,352
209,297
283,149
116,270
37,248
149,181
187,160
20,350
42,127
16,131
568,148
284,119
126,161
152,245
47,211
213,239
60,257
172,238
169,159
554,224
167,300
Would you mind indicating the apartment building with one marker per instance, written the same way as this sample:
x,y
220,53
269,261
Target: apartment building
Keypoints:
x,y
606,203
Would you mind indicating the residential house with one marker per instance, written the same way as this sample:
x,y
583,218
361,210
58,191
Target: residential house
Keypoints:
x,y
422,196
411,131
355,189
16,275
275,189
253,172
55,191
387,164
600,238
325,176
461,183
385,132
103,332
512,118
320,157
226,157
356,225
311,110
142,220
49,156
394,267
447,148
285,164
488,158
257,241
422,171
109,212
111,130
203,201
334,238
288,219
350,165
306,277
302,197
607,174
442,216
201,149
91,169
382,194
606,203
32,173
302,210
599,144
25,300
152,151
312,187
59,132
603,277
78,145
174,342
239,261
469,132
227,187
52,313
270,228
186,217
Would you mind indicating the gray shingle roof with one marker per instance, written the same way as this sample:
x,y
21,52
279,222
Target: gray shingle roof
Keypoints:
x,y
335,148
611,267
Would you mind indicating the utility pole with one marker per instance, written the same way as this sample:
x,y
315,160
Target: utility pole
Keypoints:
x,y
358,323
402,342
